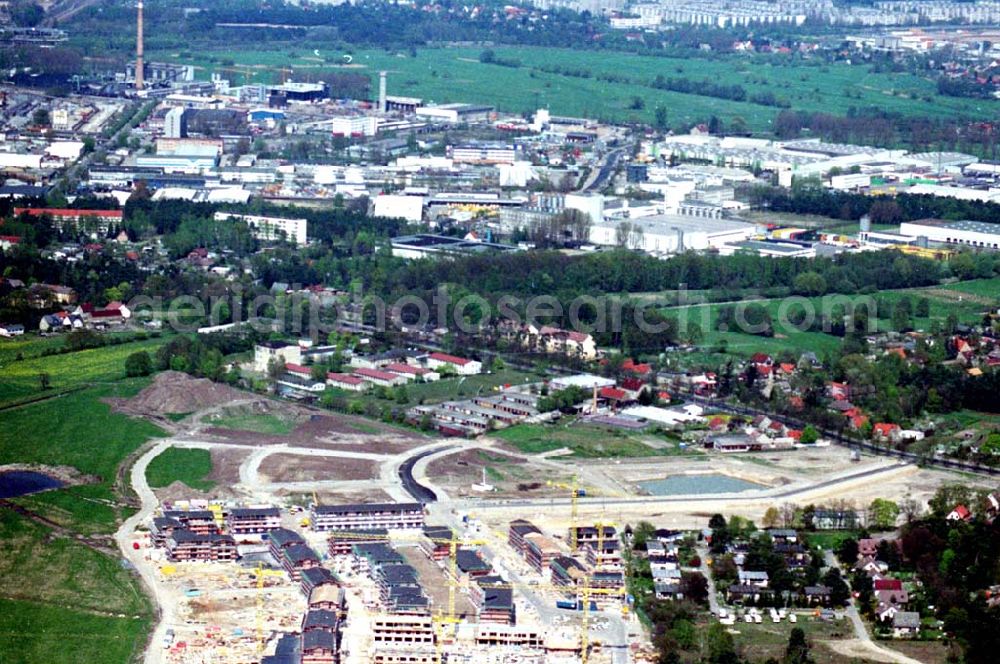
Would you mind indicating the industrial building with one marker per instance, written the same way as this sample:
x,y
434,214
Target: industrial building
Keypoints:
x,y
969,233
298,92
424,245
364,517
399,206
670,233
483,153
455,113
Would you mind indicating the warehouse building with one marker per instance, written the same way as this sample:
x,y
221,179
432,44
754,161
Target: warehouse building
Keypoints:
x,y
670,233
455,113
969,233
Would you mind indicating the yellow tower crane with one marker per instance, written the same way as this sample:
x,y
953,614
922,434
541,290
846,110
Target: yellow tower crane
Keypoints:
x,y
574,492
585,591
444,620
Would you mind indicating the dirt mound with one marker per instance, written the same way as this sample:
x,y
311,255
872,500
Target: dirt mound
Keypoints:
x,y
173,392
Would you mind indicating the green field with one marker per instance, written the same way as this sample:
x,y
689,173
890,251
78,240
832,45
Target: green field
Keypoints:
x,y
178,464
257,422
466,386
32,632
76,430
19,379
585,440
56,592
60,600
985,288
456,74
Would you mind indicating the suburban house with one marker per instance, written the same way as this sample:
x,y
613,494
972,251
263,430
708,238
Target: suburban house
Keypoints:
x,y
905,623
566,342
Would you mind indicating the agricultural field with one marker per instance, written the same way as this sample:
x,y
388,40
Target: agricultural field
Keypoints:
x,y
456,74
20,378
178,464
982,288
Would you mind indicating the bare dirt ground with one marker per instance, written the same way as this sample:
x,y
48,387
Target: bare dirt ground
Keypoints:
x,y
173,392
511,476
296,468
857,650
226,465
324,431
336,497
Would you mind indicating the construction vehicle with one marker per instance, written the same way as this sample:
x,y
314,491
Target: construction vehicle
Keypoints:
x,y
261,573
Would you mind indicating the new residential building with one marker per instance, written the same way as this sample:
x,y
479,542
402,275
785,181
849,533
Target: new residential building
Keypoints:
x,y
367,516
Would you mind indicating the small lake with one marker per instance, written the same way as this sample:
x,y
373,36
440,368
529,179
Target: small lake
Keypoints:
x,y
15,483
681,485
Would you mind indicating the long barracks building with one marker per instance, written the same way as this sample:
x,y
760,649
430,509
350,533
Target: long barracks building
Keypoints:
x,y
367,517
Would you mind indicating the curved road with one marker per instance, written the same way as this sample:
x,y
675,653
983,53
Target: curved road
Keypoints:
x,y
147,571
701,499
419,492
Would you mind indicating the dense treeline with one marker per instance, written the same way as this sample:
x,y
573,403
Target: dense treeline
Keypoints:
x,y
957,563
846,205
875,126
704,87
538,273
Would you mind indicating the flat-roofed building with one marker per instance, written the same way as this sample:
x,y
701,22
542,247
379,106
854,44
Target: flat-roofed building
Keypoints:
x,y
517,636
270,229
969,233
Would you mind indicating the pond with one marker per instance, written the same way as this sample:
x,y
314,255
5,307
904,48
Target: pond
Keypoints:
x,y
682,485
15,483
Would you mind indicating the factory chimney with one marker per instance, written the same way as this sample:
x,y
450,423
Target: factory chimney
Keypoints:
x,y
382,106
139,67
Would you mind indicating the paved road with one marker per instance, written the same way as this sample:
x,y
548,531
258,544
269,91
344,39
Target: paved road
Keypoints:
x,y
861,630
701,501
605,171
147,571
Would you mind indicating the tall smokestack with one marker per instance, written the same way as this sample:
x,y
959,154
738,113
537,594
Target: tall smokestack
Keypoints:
x,y
382,106
139,68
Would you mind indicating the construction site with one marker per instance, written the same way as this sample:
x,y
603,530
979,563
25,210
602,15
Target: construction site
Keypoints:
x,y
328,538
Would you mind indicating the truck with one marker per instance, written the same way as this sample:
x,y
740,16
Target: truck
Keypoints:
x,y
571,605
